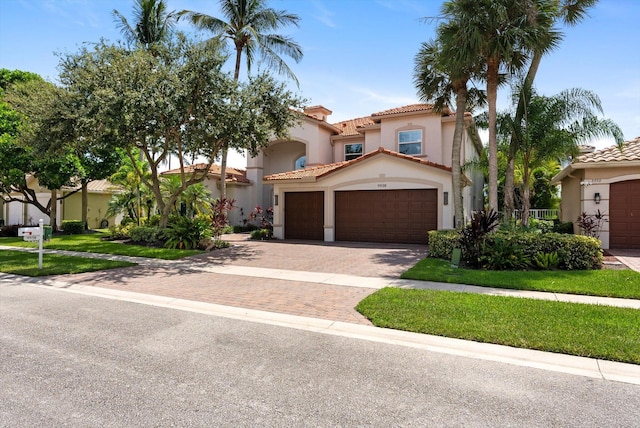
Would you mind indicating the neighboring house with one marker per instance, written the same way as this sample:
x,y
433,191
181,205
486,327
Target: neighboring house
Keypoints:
x,y
99,192
607,180
238,187
17,212
69,208
383,178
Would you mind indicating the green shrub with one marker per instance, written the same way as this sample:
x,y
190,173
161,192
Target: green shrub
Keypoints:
x,y
261,234
153,220
238,228
547,261
185,233
10,230
503,253
473,236
565,227
122,231
145,234
544,226
442,243
73,227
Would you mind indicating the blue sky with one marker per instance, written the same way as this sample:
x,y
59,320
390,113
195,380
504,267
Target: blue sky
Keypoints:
x,y
358,54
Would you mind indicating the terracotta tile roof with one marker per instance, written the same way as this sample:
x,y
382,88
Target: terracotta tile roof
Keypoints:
x,y
323,170
350,127
405,109
233,174
630,152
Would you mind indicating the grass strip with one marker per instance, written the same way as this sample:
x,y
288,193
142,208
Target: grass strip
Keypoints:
x,y
622,283
593,331
26,263
92,243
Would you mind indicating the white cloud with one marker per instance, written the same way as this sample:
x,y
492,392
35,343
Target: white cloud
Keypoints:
x,y
323,14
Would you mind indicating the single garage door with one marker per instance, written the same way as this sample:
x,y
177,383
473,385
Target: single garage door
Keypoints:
x,y
304,215
403,216
624,214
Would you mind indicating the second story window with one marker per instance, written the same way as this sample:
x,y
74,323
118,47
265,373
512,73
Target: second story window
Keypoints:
x,y
352,151
410,142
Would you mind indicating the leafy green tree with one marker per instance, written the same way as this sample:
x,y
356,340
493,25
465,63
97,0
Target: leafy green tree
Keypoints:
x,y
135,195
28,152
248,25
173,101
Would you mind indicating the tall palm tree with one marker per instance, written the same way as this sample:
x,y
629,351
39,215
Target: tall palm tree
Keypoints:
x,y
248,25
503,33
551,129
438,77
152,22
570,12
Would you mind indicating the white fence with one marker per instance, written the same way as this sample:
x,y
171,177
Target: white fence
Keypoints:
x,y
538,214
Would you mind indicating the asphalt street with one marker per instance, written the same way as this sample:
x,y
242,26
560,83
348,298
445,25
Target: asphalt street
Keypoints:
x,y
80,361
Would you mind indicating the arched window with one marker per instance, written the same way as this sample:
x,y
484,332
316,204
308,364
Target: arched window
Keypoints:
x,y
300,162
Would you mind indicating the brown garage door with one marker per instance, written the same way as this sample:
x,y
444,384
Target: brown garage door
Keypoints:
x,y
304,215
403,216
624,214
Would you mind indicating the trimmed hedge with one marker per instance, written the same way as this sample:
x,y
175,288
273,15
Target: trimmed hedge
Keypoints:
x,y
73,227
145,234
575,252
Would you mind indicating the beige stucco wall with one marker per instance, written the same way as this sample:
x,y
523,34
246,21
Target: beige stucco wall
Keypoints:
x,y
432,137
18,213
379,172
97,205
579,189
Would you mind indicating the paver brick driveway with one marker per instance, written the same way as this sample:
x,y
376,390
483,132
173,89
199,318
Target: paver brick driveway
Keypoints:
x,y
186,281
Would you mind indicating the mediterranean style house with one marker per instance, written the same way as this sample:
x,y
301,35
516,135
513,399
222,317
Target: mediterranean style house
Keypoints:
x,y
608,181
381,178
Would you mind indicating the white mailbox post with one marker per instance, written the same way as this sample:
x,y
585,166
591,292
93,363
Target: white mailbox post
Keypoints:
x,y
34,234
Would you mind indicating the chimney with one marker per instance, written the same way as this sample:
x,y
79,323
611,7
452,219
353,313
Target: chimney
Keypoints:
x,y
318,112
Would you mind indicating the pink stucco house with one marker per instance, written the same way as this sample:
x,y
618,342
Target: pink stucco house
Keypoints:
x,y
383,178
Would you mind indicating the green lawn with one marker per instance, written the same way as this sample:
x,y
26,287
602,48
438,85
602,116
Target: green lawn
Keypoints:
x,y
605,282
24,263
577,329
92,243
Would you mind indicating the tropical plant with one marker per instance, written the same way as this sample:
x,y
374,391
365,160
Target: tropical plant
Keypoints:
x,y
551,130
570,12
219,218
501,253
547,261
185,233
248,26
152,23
438,77
503,33
473,236
591,224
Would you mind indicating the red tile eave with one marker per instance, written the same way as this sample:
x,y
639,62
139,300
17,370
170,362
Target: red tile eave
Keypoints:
x,y
331,168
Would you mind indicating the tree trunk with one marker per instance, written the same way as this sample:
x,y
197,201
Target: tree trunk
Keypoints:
x,y
53,212
492,95
514,143
456,170
85,204
526,203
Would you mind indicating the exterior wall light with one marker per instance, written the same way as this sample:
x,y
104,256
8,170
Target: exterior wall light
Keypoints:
x,y
596,198
446,198
275,200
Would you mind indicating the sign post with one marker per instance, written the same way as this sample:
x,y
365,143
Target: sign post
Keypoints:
x,y
41,224
33,234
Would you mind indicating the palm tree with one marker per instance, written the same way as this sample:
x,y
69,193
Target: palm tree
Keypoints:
x,y
552,128
248,26
438,77
152,22
503,33
570,12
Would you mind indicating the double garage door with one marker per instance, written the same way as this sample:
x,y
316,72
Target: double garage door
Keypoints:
x,y
624,214
401,216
